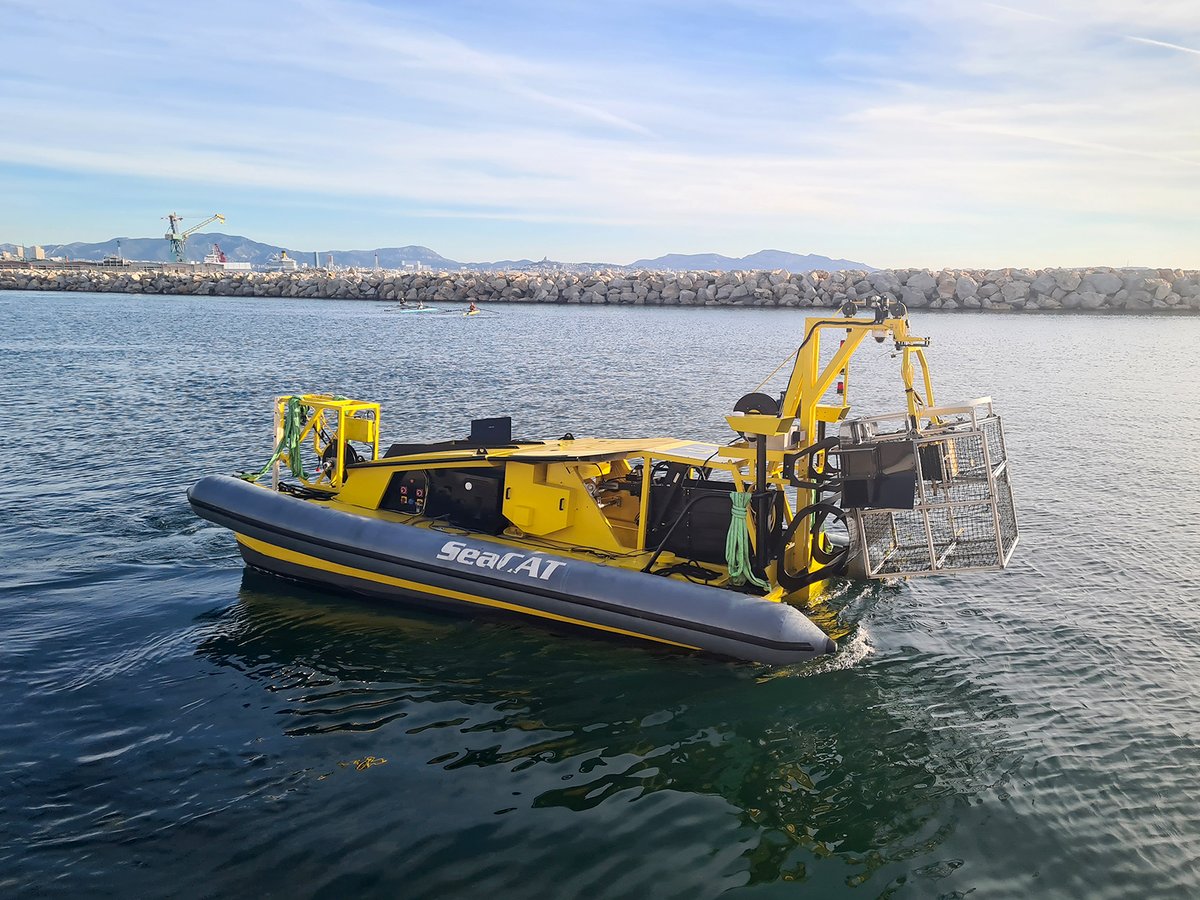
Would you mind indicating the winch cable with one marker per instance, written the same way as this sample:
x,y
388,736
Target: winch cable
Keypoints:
x,y
775,371
816,326
737,543
295,417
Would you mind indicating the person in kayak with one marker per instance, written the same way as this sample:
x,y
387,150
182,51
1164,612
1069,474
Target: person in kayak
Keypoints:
x,y
472,308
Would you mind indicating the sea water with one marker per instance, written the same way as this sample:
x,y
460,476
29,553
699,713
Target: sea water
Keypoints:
x,y
175,725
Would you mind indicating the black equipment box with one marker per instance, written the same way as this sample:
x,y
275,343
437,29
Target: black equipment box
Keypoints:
x,y
491,432
704,528
878,476
468,498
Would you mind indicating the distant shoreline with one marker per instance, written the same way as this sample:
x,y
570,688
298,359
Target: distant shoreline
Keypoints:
x,y
996,290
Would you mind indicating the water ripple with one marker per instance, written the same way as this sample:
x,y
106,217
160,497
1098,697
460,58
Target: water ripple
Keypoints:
x,y
176,725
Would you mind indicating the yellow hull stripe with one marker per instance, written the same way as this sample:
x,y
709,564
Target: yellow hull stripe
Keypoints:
x,y
323,565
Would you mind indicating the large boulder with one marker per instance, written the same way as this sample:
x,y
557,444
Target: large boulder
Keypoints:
x,y
921,281
1043,284
1186,287
1015,290
1067,280
965,287
1159,287
1090,299
884,281
1103,282
1140,299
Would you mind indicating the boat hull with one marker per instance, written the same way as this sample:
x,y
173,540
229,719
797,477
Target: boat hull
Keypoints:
x,y
309,540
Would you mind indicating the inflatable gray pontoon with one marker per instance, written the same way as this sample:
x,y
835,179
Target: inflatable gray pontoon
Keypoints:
x,y
312,541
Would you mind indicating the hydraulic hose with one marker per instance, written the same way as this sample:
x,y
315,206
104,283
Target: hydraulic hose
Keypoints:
x,y
295,417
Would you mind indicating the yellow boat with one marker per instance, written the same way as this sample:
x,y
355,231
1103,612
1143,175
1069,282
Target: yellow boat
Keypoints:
x,y
719,548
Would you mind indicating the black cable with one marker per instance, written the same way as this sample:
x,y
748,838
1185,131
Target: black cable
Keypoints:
x,y
815,327
704,465
663,543
834,563
687,570
670,531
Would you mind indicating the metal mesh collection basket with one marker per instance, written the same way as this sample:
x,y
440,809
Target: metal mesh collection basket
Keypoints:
x,y
963,518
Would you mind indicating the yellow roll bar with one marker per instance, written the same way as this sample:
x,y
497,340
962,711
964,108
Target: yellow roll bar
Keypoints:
x,y
330,420
803,409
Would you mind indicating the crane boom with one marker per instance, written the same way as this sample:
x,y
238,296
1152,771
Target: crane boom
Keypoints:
x,y
178,239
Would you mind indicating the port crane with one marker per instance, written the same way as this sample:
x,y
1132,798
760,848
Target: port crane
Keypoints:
x,y
179,238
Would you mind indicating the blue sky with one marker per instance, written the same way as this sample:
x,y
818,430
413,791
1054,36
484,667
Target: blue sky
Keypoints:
x,y
896,132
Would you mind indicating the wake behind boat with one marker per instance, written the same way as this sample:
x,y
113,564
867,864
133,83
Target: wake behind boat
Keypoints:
x,y
681,543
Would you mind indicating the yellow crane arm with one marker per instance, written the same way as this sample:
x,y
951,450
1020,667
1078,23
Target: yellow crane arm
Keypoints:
x,y
215,217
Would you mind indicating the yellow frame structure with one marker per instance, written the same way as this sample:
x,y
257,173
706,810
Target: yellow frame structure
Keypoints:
x,y
802,408
349,424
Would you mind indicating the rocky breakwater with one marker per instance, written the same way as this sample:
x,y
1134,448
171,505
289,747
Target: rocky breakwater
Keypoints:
x,y
1026,290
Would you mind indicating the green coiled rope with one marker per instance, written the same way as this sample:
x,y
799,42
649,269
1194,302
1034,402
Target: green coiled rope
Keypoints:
x,y
295,417
737,544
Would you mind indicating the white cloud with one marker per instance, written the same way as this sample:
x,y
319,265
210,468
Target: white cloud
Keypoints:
x,y
977,117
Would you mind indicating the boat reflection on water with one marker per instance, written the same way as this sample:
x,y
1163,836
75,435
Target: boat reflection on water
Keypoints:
x,y
580,725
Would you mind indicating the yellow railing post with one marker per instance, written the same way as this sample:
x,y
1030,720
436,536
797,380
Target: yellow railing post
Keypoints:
x,y
347,427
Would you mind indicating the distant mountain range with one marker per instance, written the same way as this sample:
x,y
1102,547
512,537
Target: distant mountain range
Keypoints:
x,y
242,249
762,260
